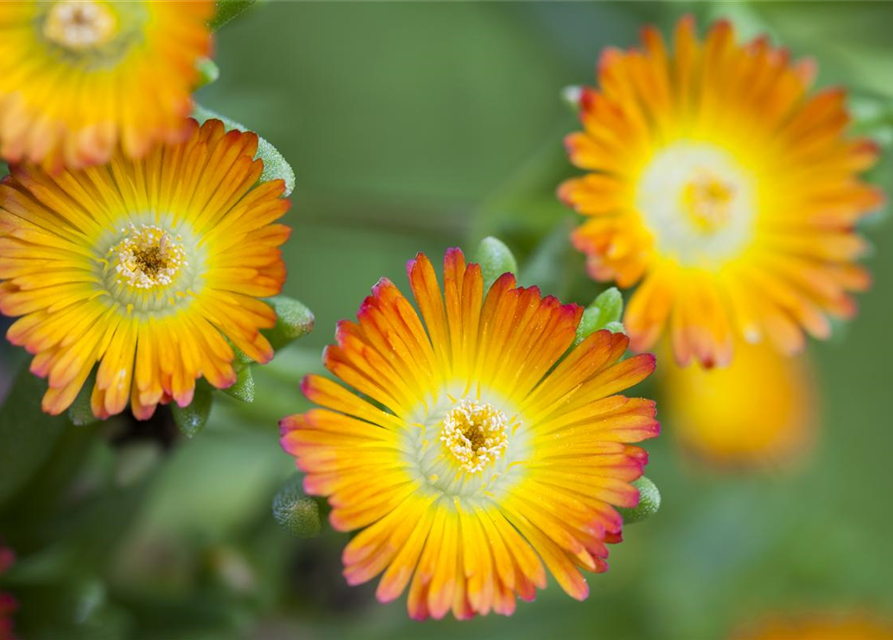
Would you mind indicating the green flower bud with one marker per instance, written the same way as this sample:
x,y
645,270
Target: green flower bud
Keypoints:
x,y
192,418
649,502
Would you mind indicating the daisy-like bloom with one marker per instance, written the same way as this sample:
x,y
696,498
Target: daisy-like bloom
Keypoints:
x,y
723,187
480,450
820,627
78,78
146,266
760,411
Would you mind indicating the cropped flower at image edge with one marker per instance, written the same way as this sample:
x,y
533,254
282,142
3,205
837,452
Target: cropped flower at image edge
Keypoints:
x,y
80,79
485,450
146,267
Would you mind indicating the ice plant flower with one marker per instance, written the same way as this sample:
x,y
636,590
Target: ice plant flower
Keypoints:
x,y
853,626
724,188
480,448
145,266
78,78
761,411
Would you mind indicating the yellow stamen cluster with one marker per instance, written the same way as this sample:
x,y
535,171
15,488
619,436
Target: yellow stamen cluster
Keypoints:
x,y
79,25
475,434
148,257
707,200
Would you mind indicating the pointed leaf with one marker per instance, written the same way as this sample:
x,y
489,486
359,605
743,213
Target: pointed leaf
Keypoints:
x,y
495,259
295,511
615,327
275,166
293,320
227,10
81,412
589,324
243,389
192,418
27,434
610,303
604,313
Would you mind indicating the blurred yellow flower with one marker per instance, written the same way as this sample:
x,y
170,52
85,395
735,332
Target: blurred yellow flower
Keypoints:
x,y
819,627
77,78
480,454
759,411
145,266
724,188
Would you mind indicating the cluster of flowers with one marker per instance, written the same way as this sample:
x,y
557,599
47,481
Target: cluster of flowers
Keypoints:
x,y
134,238
129,235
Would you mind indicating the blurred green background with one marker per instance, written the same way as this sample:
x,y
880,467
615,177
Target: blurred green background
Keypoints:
x,y
415,127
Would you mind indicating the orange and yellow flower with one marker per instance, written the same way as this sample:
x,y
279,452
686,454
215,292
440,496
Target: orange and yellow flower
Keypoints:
x,y
760,411
820,627
146,267
78,78
482,446
725,188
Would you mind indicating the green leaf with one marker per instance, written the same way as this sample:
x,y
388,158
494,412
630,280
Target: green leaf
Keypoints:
x,y
589,324
275,166
226,11
495,259
208,72
610,304
81,412
27,434
604,313
649,502
293,320
295,511
243,389
240,359
192,418
615,327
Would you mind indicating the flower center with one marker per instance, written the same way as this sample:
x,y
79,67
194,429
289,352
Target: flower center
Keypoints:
x,y
474,434
698,202
707,201
470,446
148,257
79,26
